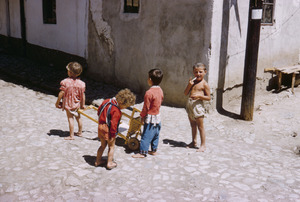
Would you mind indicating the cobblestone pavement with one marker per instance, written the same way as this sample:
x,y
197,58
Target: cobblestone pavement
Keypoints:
x,y
244,161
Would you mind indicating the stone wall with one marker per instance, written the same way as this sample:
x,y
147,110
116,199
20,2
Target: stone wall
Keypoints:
x,y
172,36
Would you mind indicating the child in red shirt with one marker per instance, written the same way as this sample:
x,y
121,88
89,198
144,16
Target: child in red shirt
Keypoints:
x,y
109,114
150,114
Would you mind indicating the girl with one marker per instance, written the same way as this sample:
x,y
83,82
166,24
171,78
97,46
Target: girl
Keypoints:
x,y
72,93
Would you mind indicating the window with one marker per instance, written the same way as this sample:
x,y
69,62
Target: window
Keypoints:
x,y
49,11
268,12
131,6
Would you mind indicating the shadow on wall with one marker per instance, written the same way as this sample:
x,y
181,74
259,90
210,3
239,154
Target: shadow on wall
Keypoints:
x,y
223,55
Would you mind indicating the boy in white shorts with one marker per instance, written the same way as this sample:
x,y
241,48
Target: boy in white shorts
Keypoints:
x,y
198,91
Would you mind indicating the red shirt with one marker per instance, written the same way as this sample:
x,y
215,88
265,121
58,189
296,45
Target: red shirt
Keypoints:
x,y
152,101
115,113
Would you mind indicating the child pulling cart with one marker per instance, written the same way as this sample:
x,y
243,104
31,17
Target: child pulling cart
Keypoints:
x,y
129,128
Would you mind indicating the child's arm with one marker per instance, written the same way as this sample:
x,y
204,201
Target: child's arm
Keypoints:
x,y
115,118
146,107
60,96
189,86
82,102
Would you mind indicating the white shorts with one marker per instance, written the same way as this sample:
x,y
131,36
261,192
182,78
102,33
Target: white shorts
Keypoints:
x,y
195,109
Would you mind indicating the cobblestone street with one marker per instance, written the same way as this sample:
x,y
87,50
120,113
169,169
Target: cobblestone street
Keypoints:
x,y
245,161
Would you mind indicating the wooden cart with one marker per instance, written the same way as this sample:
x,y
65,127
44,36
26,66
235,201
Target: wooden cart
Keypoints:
x,y
129,128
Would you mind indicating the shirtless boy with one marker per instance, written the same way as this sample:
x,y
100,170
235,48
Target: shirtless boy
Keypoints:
x,y
198,91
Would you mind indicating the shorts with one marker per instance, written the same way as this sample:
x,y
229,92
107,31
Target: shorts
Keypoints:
x,y
74,112
195,109
103,131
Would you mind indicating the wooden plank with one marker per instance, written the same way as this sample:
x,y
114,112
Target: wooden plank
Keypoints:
x,y
269,69
288,69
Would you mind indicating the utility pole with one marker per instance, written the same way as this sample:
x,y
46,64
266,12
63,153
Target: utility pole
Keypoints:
x,y
252,45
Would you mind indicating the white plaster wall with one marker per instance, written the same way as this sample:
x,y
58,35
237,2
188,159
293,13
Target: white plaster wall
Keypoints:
x,y
15,20
3,18
68,35
216,30
280,43
237,37
228,42
171,36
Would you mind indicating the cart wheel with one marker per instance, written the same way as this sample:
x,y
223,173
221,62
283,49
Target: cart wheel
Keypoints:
x,y
133,143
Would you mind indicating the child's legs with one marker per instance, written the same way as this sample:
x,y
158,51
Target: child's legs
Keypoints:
x,y
147,137
100,150
200,126
111,150
71,123
154,142
79,121
194,131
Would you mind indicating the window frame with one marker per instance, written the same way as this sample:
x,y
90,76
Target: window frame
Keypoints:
x,y
49,11
265,4
131,8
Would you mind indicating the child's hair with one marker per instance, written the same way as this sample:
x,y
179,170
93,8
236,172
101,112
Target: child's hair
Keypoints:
x,y
75,68
199,64
126,97
156,76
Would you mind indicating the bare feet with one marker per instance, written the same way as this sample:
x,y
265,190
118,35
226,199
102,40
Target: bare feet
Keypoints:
x,y
152,153
111,165
202,148
192,145
138,155
79,134
69,138
100,163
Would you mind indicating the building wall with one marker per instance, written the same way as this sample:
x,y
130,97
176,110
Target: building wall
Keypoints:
x,y
121,48
53,44
3,18
10,24
171,36
279,46
68,35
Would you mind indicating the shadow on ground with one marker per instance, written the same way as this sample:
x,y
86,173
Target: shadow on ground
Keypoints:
x,y
46,79
92,159
174,143
57,132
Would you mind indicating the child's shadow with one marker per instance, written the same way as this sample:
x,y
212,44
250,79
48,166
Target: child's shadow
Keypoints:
x,y
59,133
92,159
174,143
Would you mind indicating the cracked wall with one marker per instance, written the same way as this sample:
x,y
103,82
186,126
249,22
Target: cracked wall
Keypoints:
x,y
100,44
124,47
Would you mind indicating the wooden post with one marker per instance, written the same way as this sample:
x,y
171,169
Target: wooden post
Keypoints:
x,y
252,45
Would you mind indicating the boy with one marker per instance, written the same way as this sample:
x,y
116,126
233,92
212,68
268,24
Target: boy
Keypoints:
x,y
150,114
198,90
109,113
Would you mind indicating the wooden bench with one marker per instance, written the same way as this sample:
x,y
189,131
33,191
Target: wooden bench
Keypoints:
x,y
285,70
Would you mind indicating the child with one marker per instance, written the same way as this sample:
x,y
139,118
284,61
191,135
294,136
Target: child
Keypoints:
x,y
72,93
109,114
198,91
150,114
